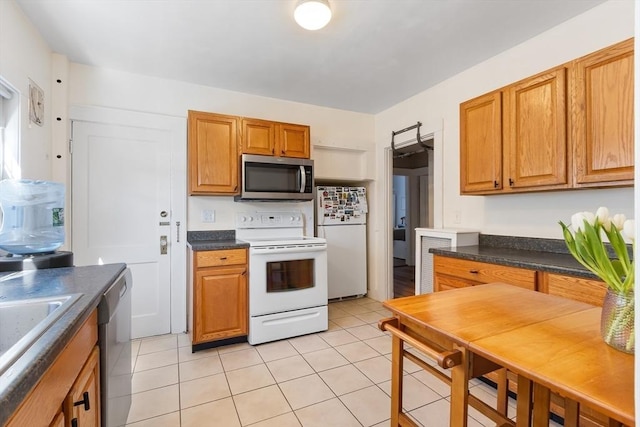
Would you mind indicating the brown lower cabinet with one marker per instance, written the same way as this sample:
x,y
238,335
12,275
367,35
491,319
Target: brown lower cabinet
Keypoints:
x,y
219,296
74,377
451,273
82,404
576,288
59,420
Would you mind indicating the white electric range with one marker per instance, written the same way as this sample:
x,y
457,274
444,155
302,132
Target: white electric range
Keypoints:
x,y
287,276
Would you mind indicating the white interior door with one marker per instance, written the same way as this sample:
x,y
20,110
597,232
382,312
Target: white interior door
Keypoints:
x,y
121,209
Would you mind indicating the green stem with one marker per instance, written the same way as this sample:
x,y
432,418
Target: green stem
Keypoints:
x,y
620,321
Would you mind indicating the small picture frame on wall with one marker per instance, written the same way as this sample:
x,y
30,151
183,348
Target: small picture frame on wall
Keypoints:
x,y
36,104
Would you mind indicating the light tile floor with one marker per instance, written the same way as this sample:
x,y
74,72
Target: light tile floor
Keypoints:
x,y
341,377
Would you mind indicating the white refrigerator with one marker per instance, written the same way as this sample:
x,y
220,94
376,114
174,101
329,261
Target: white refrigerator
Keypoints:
x,y
342,220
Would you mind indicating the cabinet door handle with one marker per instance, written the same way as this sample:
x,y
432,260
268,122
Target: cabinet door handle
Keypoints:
x,y
223,258
473,271
282,152
495,184
511,182
84,401
74,422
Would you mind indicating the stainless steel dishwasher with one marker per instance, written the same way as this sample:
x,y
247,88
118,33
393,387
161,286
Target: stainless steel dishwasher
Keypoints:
x,y
114,337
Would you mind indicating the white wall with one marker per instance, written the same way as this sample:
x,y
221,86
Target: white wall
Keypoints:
x,y
115,89
532,215
25,55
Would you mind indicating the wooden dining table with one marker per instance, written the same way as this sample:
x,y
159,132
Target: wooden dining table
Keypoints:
x,y
553,344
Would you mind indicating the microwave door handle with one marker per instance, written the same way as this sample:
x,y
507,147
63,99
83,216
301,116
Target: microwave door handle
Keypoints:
x,y
303,179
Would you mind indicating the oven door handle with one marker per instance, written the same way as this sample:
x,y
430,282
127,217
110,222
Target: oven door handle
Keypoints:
x,y
287,250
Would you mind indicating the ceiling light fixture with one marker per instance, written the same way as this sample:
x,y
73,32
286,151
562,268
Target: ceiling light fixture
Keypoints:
x,y
312,14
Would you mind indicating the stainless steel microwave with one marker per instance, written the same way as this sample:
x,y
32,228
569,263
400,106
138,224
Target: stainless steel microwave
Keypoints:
x,y
276,178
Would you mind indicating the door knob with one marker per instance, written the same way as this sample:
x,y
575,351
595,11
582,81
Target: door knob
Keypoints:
x,y
163,245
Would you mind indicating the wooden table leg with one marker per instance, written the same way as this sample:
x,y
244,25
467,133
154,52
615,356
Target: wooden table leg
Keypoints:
x,y
571,413
524,402
503,391
541,404
396,380
460,390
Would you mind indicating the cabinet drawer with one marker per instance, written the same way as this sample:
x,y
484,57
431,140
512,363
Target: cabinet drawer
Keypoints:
x,y
444,282
485,273
575,288
221,258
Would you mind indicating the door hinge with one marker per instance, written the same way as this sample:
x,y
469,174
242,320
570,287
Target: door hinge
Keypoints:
x,y
70,146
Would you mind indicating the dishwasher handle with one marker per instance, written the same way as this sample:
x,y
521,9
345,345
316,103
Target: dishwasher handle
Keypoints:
x,y
111,298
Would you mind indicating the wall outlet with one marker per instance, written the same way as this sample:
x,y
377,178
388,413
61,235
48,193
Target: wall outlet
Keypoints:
x,y
208,215
457,217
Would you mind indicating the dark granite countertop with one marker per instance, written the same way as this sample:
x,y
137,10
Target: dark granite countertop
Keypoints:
x,y
18,380
550,255
214,240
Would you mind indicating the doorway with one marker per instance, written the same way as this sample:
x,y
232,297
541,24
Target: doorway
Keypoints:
x,y
412,208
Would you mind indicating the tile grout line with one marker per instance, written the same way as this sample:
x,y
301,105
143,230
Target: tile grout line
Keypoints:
x,y
337,328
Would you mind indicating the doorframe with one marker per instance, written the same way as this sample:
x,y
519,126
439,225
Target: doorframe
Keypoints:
x,y
177,126
433,129
387,220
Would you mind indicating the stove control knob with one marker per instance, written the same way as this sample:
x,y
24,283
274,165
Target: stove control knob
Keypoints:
x,y
243,219
250,218
293,218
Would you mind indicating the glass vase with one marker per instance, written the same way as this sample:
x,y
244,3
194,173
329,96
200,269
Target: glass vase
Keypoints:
x,y
616,324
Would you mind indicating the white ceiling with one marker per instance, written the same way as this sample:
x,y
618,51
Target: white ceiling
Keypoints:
x,y
372,55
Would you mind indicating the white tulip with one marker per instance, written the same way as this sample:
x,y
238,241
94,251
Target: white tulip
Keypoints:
x,y
578,219
602,214
629,230
618,221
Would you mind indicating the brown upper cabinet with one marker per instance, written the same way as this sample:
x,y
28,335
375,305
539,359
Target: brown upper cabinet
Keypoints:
x,y
293,140
212,154
258,137
535,137
275,139
568,127
481,143
514,139
602,117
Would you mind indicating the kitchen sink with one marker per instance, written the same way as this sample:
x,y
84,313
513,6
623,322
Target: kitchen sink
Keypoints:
x,y
22,322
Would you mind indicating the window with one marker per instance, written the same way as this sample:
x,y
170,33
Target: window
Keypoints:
x,y
9,131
